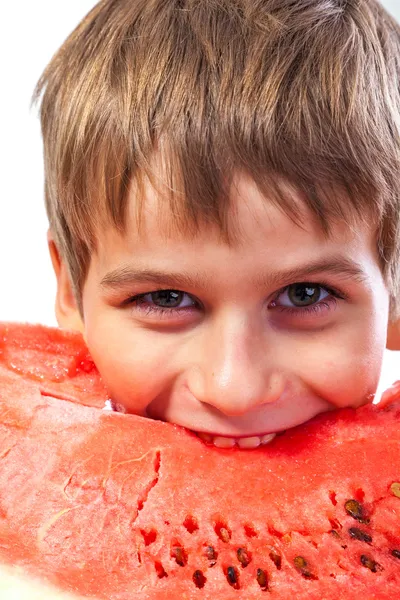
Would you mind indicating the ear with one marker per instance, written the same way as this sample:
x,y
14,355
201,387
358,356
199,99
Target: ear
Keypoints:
x,y
67,311
393,335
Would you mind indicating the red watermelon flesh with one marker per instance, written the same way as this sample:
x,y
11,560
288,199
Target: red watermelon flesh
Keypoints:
x,y
121,507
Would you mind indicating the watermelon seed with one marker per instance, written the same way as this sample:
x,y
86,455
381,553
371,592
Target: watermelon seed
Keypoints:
x,y
179,554
395,489
371,564
212,555
199,579
223,532
276,558
160,570
396,553
335,534
301,565
262,579
287,538
354,509
359,534
243,556
232,577
190,523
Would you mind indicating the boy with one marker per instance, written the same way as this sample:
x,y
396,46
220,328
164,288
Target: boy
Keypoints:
x,y
223,196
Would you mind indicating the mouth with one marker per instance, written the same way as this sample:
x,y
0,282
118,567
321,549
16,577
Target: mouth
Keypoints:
x,y
246,443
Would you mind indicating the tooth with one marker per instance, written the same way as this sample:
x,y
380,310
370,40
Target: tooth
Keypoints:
x,y
267,438
223,442
249,442
205,436
228,442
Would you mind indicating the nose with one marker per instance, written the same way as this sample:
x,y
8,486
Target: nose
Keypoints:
x,y
235,369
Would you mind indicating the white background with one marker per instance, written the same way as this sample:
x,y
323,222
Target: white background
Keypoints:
x,y
32,30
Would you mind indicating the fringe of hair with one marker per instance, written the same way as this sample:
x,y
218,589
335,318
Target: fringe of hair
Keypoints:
x,y
304,92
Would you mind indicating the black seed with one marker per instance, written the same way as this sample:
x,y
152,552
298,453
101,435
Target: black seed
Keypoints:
x,y
262,579
199,579
307,574
232,577
355,509
359,534
243,556
371,564
180,555
396,553
276,558
300,562
301,565
212,555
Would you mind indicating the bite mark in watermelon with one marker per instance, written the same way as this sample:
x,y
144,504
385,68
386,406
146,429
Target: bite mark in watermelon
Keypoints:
x,y
121,507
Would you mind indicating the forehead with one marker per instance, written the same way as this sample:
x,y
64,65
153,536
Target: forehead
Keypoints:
x,y
261,235
249,214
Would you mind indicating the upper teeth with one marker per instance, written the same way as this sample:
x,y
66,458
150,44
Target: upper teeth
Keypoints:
x,y
229,442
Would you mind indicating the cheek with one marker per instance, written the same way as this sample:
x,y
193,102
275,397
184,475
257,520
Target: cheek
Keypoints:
x,y
133,368
347,380
344,368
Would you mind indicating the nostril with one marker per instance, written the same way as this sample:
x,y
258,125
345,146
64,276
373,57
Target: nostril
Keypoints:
x,y
276,387
196,384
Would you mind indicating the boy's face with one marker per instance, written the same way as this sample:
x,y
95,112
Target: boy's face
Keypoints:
x,y
250,339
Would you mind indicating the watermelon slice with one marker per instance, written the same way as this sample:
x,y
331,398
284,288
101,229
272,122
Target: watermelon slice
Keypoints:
x,y
120,507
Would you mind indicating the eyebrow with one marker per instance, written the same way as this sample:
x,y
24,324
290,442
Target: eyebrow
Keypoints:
x,y
125,276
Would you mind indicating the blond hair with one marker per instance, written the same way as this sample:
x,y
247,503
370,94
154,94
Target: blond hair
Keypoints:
x,y
304,91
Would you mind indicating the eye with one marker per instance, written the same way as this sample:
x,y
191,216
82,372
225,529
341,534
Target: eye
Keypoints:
x,y
163,304
167,299
302,294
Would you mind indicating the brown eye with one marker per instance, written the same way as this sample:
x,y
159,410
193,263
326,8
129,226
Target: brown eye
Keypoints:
x,y
303,294
167,298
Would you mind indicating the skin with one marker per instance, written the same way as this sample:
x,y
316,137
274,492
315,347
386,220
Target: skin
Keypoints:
x,y
239,357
